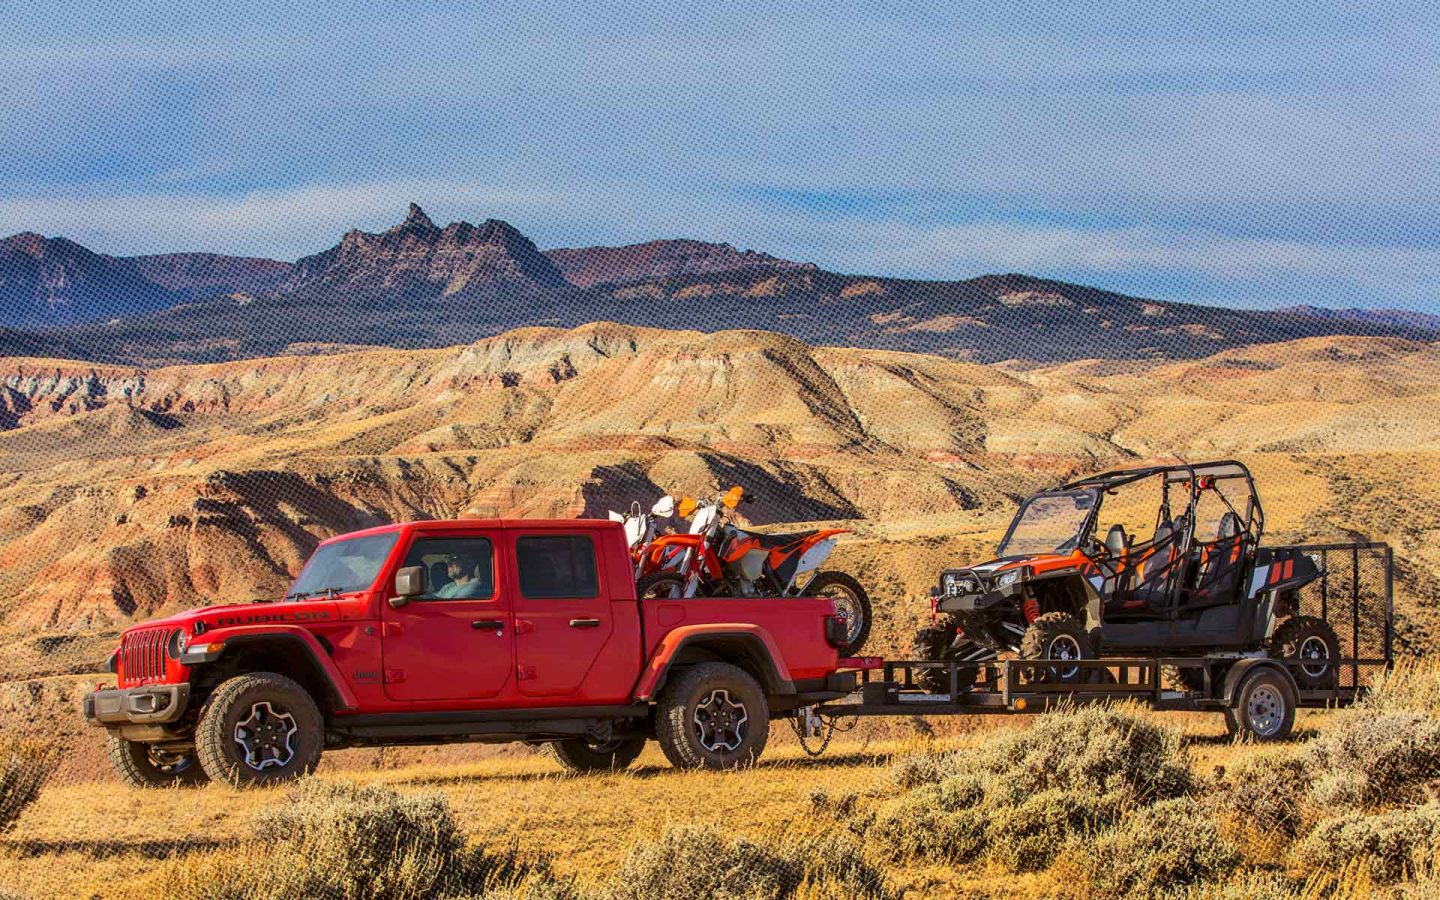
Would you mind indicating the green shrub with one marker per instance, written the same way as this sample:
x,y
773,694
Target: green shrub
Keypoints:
x,y
1170,845
1366,758
921,823
701,861
25,766
342,840
1390,843
1266,790
1027,837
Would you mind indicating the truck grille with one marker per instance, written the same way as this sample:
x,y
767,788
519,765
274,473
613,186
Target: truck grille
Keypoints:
x,y
142,656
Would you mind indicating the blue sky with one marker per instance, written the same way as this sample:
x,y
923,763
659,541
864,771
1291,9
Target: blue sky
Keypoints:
x,y
1211,152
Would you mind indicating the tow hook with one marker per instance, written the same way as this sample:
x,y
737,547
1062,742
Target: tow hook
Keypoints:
x,y
808,722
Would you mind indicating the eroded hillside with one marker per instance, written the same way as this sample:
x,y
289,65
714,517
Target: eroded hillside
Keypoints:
x,y
125,491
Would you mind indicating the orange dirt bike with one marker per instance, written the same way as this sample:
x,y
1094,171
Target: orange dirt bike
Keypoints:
x,y
719,559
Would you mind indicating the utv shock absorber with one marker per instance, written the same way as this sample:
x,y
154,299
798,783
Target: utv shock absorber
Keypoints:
x,y
1031,609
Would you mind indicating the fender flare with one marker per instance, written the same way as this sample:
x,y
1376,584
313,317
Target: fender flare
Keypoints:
x,y
1242,669
292,637
775,675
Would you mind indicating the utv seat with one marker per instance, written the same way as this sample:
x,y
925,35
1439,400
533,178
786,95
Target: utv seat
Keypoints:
x,y
1220,565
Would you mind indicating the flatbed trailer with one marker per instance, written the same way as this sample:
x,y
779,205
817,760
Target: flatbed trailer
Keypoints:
x,y
1257,693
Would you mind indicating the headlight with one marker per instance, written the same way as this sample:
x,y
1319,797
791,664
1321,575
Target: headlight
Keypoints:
x,y
1008,578
957,584
176,645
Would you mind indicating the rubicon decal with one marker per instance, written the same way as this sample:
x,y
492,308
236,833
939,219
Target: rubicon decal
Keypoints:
x,y
271,618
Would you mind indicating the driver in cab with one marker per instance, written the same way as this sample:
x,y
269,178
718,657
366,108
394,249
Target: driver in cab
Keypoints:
x,y
465,582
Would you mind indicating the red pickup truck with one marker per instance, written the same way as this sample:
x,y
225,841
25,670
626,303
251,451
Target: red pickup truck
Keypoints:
x,y
479,630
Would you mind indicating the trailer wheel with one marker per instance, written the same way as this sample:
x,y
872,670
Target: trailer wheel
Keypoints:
x,y
580,755
1314,644
935,644
1264,706
142,766
1056,636
712,716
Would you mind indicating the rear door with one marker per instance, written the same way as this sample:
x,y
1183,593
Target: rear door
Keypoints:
x,y
563,616
454,642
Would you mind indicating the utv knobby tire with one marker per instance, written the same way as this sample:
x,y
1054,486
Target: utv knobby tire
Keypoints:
x,y
864,612
1044,635
1297,638
1182,678
679,734
133,764
579,755
656,580
936,643
236,700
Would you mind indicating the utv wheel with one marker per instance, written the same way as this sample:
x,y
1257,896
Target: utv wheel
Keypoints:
x,y
143,766
712,716
937,643
850,601
1183,678
660,586
1264,707
259,729
580,755
1057,636
1314,644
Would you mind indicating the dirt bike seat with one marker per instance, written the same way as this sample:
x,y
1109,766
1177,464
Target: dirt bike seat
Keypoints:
x,y
774,541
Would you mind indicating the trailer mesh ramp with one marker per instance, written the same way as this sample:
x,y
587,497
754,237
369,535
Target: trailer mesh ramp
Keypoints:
x,y
1353,595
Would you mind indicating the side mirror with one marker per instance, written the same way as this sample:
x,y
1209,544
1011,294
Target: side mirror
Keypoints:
x,y
409,582
664,507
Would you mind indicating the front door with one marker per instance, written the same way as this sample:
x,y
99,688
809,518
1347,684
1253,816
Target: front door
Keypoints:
x,y
562,617
454,642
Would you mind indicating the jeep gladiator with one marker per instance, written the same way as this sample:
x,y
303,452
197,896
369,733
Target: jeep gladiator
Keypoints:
x,y
471,630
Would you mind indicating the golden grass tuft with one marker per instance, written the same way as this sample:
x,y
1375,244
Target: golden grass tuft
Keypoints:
x,y
25,766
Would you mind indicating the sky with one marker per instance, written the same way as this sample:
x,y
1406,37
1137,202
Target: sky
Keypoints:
x,y
1243,154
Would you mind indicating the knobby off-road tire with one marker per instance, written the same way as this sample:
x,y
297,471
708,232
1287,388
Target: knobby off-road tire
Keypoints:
x,y
1308,638
712,716
1179,678
850,598
659,586
139,766
580,755
1263,707
1056,636
259,729
936,643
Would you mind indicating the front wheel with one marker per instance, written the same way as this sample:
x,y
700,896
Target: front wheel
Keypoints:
x,y
851,603
1061,637
259,729
938,643
143,766
580,755
712,716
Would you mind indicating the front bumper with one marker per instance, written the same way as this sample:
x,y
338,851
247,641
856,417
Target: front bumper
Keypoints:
x,y
157,704
969,603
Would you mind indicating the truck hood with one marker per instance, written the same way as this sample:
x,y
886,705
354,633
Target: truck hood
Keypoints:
x,y
209,618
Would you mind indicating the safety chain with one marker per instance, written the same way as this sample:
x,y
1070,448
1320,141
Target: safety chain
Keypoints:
x,y
831,726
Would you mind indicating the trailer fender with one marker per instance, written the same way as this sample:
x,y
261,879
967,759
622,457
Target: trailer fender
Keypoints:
x,y
1244,667
749,646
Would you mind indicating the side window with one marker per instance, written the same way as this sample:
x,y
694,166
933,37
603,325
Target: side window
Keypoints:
x,y
561,565
455,568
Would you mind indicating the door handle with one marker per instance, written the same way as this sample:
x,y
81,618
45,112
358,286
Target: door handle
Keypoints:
x,y
487,625
584,623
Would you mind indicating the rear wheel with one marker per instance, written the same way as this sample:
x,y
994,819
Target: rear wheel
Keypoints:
x,y
850,601
1061,637
1314,644
580,755
712,716
1264,706
144,766
259,729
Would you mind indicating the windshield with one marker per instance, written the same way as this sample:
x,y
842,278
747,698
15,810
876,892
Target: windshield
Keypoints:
x,y
349,565
1048,523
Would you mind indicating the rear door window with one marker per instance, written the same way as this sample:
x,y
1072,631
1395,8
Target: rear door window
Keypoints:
x,y
555,566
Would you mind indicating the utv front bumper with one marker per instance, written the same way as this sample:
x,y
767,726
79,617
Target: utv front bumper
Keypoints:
x,y
970,603
156,704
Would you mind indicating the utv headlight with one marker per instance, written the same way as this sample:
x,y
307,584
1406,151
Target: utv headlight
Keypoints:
x,y
1008,578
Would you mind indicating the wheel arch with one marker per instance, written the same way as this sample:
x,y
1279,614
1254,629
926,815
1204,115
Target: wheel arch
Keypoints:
x,y
1238,672
744,649
301,658
1068,593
